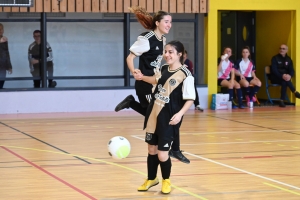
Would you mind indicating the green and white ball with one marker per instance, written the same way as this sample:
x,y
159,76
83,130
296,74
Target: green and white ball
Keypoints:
x,y
118,147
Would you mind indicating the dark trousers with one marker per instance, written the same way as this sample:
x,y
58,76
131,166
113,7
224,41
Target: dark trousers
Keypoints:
x,y
36,73
2,75
284,84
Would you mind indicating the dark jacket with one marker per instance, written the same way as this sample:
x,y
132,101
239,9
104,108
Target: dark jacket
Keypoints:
x,y
281,65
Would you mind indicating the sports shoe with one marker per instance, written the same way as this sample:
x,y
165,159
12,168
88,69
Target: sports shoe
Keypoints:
x,y
148,184
198,108
234,106
241,107
297,95
52,85
125,103
248,99
178,155
281,104
166,186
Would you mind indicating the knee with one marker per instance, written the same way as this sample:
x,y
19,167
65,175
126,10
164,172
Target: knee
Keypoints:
x,y
237,86
230,85
152,149
163,156
258,84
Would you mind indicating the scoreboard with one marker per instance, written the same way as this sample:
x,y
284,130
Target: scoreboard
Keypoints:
x,y
19,3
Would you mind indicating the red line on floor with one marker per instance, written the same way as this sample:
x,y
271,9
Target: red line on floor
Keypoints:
x,y
52,175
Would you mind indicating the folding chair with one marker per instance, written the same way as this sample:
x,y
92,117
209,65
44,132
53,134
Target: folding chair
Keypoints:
x,y
269,84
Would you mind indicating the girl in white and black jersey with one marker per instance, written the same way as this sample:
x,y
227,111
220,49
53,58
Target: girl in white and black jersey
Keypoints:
x,y
149,48
173,96
226,76
245,72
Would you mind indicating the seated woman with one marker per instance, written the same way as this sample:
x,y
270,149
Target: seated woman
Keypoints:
x,y
245,72
226,76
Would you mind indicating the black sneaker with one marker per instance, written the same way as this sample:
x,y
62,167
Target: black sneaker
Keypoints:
x,y
178,155
125,103
281,104
52,84
297,95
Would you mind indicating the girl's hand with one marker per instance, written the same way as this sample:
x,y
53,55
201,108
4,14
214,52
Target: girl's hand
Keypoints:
x,y
138,76
175,119
136,71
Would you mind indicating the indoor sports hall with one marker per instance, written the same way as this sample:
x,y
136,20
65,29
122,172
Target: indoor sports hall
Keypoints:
x,y
54,138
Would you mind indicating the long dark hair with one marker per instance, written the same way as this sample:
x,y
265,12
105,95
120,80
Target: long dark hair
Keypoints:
x,y
179,48
147,20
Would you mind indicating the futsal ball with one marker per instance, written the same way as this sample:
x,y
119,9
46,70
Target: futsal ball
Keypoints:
x,y
118,147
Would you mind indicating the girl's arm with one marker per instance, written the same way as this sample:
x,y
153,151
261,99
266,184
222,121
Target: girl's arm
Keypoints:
x,y
232,77
130,63
178,116
220,66
253,75
189,94
149,79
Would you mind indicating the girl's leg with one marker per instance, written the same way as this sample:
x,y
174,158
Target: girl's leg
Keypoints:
x,y
165,166
152,165
239,94
256,87
229,85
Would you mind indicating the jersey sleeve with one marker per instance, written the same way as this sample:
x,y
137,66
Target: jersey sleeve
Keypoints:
x,y
188,89
140,46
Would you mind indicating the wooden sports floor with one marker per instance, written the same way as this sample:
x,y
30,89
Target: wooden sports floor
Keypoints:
x,y
238,154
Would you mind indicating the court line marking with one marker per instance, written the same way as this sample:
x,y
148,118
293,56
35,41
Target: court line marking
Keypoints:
x,y
244,171
237,169
258,141
103,161
37,139
286,190
241,131
49,173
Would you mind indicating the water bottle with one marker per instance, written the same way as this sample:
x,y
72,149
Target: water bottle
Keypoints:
x,y
229,105
250,104
223,57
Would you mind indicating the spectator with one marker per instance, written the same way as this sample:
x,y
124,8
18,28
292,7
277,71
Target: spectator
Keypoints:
x,y
5,64
245,71
34,59
282,70
226,76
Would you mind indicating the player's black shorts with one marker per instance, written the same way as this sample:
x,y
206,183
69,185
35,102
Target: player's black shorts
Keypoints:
x,y
144,100
153,139
238,79
220,81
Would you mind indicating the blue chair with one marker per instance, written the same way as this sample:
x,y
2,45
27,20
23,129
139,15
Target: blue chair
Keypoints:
x,y
269,84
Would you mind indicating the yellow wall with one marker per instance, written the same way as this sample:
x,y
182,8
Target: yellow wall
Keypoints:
x,y
270,34
268,29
